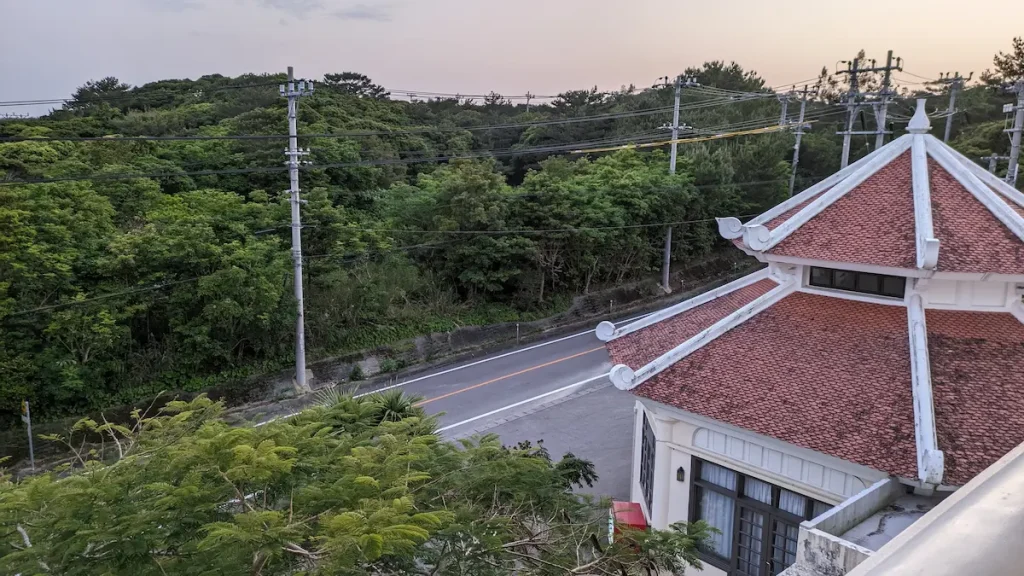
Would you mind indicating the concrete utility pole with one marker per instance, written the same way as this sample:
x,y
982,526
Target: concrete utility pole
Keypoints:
x,y
528,98
851,108
956,83
800,126
881,106
294,153
886,96
992,161
666,266
1015,132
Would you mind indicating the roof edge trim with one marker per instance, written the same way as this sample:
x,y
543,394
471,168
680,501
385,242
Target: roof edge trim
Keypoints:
x,y
988,198
760,238
606,331
930,460
993,181
1017,310
626,378
927,244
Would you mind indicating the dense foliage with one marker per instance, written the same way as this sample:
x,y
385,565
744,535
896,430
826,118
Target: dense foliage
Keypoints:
x,y
114,288
358,487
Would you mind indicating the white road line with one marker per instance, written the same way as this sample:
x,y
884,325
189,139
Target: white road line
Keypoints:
x,y
527,401
470,365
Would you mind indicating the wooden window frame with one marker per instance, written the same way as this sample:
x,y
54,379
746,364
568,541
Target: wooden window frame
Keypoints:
x,y
648,448
830,284
770,512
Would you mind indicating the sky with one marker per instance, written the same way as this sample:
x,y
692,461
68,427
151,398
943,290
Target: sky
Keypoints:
x,y
49,47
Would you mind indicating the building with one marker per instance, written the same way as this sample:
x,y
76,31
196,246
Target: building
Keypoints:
x,y
875,365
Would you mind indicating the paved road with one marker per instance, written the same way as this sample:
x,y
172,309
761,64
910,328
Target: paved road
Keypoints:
x,y
556,391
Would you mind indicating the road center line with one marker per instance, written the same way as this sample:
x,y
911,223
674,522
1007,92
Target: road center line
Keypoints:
x,y
520,403
492,358
507,376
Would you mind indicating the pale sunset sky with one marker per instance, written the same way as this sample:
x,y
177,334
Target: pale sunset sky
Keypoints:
x,y
474,46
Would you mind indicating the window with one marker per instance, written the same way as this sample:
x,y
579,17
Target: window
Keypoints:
x,y
647,464
759,523
864,282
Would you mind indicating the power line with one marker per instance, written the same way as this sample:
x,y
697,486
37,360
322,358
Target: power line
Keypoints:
x,y
129,96
573,148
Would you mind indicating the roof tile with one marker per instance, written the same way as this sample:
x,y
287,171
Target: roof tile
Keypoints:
x,y
971,239
871,224
642,346
978,388
824,373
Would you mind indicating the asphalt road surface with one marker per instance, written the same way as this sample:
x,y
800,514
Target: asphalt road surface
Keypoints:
x,y
556,391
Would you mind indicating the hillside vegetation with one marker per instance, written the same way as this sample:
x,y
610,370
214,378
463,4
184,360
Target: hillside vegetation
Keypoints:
x,y
113,288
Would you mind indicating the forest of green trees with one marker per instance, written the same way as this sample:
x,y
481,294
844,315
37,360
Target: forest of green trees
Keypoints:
x,y
113,288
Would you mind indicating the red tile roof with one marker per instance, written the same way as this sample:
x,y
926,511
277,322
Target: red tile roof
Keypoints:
x,y
971,239
871,224
828,374
774,222
642,346
978,385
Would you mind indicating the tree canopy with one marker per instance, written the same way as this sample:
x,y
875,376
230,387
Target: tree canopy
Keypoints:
x,y
356,487
421,216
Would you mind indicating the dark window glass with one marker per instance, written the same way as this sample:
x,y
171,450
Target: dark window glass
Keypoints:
x,y
758,523
864,282
893,286
784,540
870,283
821,277
647,445
819,508
845,280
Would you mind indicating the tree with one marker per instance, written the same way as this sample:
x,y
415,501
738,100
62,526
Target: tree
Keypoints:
x,y
1009,67
109,90
355,487
355,84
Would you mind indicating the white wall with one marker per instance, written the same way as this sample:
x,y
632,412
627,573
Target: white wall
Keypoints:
x,y
681,436
967,294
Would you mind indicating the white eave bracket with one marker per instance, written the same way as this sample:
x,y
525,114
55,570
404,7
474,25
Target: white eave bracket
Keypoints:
x,y
625,378
930,460
606,331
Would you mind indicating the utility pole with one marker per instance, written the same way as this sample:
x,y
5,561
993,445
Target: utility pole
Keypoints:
x,y
886,96
992,161
1015,132
800,126
528,98
851,103
666,266
956,83
784,113
294,153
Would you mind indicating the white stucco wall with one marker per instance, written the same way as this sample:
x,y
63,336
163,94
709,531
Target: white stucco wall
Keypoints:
x,y
967,294
681,436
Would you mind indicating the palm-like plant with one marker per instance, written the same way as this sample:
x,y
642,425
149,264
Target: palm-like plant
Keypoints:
x,y
394,405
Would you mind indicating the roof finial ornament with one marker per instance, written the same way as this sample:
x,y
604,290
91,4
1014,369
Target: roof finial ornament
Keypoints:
x,y
920,124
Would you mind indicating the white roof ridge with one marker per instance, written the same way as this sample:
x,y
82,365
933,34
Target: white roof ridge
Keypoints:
x,y
995,203
731,228
930,460
993,181
606,331
625,378
924,231
759,238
